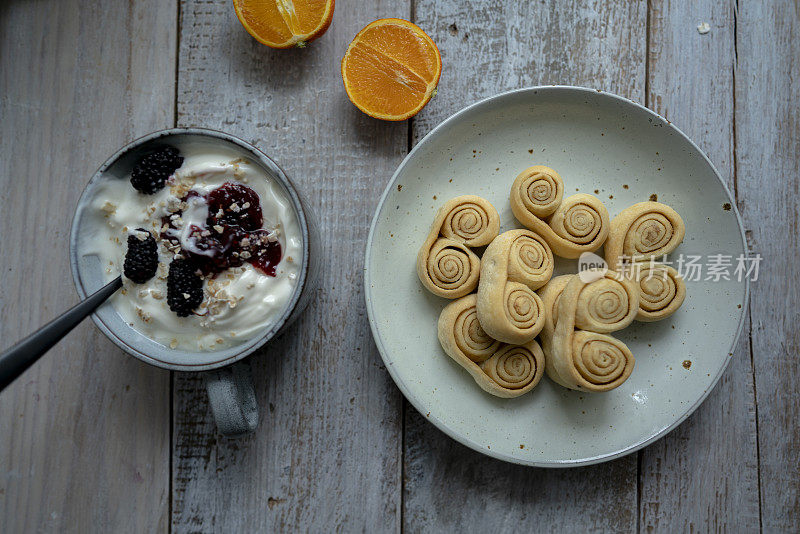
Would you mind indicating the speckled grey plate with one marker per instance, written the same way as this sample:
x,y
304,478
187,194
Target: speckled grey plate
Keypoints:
x,y
599,143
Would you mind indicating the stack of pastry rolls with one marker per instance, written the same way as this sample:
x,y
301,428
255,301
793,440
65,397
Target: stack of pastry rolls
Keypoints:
x,y
492,332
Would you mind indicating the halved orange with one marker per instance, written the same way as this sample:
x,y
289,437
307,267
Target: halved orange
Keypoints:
x,y
391,69
285,23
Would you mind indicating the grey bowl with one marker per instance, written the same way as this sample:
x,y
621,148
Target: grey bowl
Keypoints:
x,y
88,275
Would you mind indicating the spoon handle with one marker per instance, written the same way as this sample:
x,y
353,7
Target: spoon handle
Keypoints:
x,y
22,355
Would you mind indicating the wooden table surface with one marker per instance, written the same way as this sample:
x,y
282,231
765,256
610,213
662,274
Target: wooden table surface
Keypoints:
x,y
94,440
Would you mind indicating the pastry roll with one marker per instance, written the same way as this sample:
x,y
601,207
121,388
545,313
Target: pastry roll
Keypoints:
x,y
445,264
570,226
643,231
499,369
578,352
661,292
513,266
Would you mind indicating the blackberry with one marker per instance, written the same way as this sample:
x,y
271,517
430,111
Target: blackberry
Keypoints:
x,y
151,172
184,288
141,259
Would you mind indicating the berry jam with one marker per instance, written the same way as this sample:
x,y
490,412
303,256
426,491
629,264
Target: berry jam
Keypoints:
x,y
234,205
232,234
267,255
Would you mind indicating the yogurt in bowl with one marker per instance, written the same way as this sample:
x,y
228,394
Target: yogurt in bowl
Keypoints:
x,y
229,213
240,298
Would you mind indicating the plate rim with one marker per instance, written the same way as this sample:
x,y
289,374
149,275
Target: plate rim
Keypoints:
x,y
417,403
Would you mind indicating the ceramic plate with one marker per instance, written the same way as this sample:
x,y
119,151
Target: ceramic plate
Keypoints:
x,y
600,144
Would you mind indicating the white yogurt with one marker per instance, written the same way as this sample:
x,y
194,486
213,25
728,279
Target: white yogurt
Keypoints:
x,y
240,302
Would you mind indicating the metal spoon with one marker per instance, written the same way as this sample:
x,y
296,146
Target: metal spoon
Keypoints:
x,y
22,355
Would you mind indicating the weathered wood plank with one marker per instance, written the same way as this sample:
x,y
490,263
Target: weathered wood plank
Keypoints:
x,y
768,173
490,47
326,456
85,432
487,48
704,475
